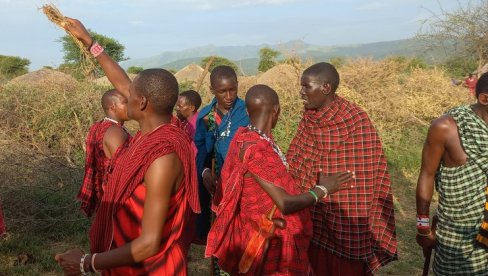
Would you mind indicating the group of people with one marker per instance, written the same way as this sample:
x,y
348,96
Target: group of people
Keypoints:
x,y
217,177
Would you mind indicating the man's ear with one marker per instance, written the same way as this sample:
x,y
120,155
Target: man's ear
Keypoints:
x,y
327,88
193,108
143,103
483,98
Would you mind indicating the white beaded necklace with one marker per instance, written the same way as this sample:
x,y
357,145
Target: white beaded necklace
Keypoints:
x,y
275,147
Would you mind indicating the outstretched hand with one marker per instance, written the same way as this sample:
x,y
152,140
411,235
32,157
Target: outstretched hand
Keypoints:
x,y
338,181
76,28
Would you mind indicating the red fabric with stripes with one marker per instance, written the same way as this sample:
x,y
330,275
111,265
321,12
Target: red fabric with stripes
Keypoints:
x,y
244,202
358,223
96,164
2,221
124,188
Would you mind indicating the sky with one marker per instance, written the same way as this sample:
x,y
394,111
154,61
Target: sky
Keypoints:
x,y
150,27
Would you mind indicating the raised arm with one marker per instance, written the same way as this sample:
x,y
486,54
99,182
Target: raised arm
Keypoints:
x,y
116,75
161,181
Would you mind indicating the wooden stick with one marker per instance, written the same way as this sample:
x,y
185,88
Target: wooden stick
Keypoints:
x,y
199,83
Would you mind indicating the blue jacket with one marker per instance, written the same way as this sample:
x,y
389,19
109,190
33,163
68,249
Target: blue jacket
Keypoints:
x,y
218,140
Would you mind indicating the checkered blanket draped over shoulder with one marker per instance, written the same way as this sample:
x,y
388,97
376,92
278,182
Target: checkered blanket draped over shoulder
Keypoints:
x,y
358,223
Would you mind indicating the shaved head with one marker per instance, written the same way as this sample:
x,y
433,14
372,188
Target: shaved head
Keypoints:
x,y
222,72
261,98
325,72
159,87
110,97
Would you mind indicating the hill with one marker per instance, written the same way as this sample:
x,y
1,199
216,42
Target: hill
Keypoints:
x,y
247,57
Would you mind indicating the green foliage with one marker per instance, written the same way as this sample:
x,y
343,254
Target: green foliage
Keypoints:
x,y
219,61
459,67
186,85
72,54
134,69
267,58
337,61
13,66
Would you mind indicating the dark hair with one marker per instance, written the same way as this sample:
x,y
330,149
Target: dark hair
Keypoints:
x,y
482,84
193,97
109,97
160,88
222,72
325,72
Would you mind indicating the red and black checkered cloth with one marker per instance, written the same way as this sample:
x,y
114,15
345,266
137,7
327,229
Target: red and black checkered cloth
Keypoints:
x,y
91,191
242,203
359,223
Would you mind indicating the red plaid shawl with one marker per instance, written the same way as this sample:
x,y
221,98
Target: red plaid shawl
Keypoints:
x,y
96,164
2,221
357,223
128,174
243,204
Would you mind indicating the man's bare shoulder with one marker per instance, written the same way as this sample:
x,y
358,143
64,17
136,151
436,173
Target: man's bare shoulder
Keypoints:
x,y
442,128
115,132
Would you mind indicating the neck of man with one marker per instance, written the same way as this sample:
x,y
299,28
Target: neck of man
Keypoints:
x,y
221,109
329,100
481,111
262,123
112,117
148,124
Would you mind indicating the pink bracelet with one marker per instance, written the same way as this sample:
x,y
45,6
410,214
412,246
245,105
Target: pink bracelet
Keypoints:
x,y
423,222
96,49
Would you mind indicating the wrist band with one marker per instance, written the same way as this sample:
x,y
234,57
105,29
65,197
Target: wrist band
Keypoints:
x,y
82,265
423,222
424,235
93,263
96,49
204,170
314,195
326,192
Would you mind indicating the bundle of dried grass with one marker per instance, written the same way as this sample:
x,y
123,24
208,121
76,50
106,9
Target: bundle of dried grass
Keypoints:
x,y
88,65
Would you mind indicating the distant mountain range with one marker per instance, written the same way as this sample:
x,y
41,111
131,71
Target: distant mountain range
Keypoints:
x,y
247,57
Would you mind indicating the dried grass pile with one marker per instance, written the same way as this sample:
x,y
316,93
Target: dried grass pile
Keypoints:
x,y
45,78
281,75
103,81
190,73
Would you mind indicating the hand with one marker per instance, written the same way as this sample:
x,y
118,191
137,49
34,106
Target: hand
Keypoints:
x,y
70,261
209,181
77,29
426,242
334,182
279,223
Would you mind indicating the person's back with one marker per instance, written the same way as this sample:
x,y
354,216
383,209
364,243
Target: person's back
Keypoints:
x,y
104,142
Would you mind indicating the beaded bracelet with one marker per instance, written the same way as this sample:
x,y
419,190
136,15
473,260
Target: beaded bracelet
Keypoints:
x,y
314,195
326,192
82,265
96,49
423,222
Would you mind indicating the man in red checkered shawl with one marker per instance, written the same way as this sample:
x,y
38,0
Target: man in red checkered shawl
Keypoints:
x,y
104,142
254,182
140,226
353,230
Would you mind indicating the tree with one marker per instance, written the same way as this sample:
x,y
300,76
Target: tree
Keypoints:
x,y
135,69
72,54
465,30
267,58
458,67
219,61
11,66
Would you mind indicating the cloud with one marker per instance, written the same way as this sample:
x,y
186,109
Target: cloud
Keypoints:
x,y
218,4
373,5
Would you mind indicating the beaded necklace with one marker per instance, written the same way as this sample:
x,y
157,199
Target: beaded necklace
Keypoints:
x,y
275,147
